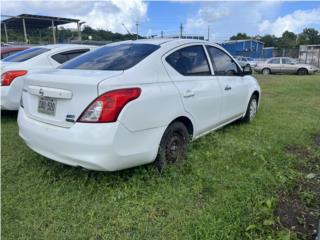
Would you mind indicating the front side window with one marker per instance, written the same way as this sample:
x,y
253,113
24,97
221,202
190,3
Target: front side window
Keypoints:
x,y
112,57
190,61
25,55
222,63
274,61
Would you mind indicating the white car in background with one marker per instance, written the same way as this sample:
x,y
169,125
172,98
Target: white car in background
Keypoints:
x,y
135,102
246,61
16,66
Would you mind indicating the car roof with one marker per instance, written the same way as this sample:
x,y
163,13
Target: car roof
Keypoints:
x,y
170,42
64,46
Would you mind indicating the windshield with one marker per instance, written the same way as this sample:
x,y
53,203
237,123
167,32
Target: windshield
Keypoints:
x,y
117,57
25,55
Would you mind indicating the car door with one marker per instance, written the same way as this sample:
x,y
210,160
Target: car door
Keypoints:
x,y
189,69
234,86
275,65
288,66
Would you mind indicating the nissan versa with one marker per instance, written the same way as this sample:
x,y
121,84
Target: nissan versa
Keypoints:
x,y
134,102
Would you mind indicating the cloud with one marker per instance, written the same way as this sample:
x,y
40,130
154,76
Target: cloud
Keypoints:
x,y
228,18
293,22
108,15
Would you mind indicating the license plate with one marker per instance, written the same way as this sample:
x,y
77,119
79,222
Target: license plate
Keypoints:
x,y
47,105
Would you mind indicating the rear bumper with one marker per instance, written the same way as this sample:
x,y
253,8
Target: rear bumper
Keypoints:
x,y
102,147
9,100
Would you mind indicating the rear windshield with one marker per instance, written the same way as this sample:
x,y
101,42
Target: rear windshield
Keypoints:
x,y
25,55
118,57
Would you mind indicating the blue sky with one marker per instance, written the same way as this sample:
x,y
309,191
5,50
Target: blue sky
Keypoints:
x,y
223,18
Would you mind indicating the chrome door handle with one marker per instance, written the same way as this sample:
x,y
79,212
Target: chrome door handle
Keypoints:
x,y
227,88
188,93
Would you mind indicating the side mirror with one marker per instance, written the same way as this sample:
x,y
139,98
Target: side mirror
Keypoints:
x,y
247,70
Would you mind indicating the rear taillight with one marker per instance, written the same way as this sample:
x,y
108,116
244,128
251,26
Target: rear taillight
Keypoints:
x,y
107,107
8,77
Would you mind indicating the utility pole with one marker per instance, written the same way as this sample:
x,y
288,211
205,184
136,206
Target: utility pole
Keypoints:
x,y
161,34
208,33
137,25
181,29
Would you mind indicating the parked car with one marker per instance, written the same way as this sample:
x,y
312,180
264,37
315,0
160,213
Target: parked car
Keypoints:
x,y
7,51
15,67
284,65
246,61
135,102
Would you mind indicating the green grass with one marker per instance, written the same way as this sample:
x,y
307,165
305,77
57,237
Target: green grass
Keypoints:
x,y
226,189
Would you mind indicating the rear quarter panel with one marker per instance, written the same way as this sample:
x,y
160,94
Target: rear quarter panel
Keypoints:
x,y
159,102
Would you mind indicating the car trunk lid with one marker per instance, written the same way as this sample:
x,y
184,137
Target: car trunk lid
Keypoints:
x,y
58,97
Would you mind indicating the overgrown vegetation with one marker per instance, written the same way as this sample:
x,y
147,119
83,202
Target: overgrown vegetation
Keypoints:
x,y
228,188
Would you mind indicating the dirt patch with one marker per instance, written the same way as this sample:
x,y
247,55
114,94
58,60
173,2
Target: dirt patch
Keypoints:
x,y
295,216
299,209
298,151
317,139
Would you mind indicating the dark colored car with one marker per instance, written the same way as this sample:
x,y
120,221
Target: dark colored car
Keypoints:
x,y
7,51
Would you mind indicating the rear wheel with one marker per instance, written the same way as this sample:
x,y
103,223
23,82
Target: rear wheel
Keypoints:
x,y
302,71
266,71
251,109
173,145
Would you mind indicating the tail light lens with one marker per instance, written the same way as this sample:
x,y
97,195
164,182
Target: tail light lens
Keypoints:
x,y
8,77
107,107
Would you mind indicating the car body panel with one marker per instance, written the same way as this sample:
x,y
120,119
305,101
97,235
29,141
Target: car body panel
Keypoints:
x,y
134,138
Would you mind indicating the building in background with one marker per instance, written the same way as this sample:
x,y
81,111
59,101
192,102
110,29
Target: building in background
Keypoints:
x,y
310,54
248,48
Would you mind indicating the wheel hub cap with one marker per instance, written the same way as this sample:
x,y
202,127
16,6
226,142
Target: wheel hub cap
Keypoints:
x,y
253,109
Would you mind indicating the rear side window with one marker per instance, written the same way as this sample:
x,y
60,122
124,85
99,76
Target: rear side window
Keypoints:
x,y
222,63
190,61
68,55
275,61
25,55
118,57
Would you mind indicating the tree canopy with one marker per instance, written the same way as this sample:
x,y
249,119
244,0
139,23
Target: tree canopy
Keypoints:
x,y
287,40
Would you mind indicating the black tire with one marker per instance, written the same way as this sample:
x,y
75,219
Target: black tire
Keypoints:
x,y
173,145
249,116
266,71
302,71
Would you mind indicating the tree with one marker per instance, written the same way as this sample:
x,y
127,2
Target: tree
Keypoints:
x,y
240,36
309,36
268,40
287,40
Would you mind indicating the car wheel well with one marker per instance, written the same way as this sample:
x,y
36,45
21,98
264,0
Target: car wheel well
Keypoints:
x,y
302,68
187,122
266,68
256,93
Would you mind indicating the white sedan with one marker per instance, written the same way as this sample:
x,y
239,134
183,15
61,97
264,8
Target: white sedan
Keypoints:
x,y
16,66
135,102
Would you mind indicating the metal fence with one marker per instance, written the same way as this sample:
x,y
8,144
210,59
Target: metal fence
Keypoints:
x,y
310,56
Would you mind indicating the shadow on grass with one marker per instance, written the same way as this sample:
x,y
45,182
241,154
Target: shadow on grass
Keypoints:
x,y
8,115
